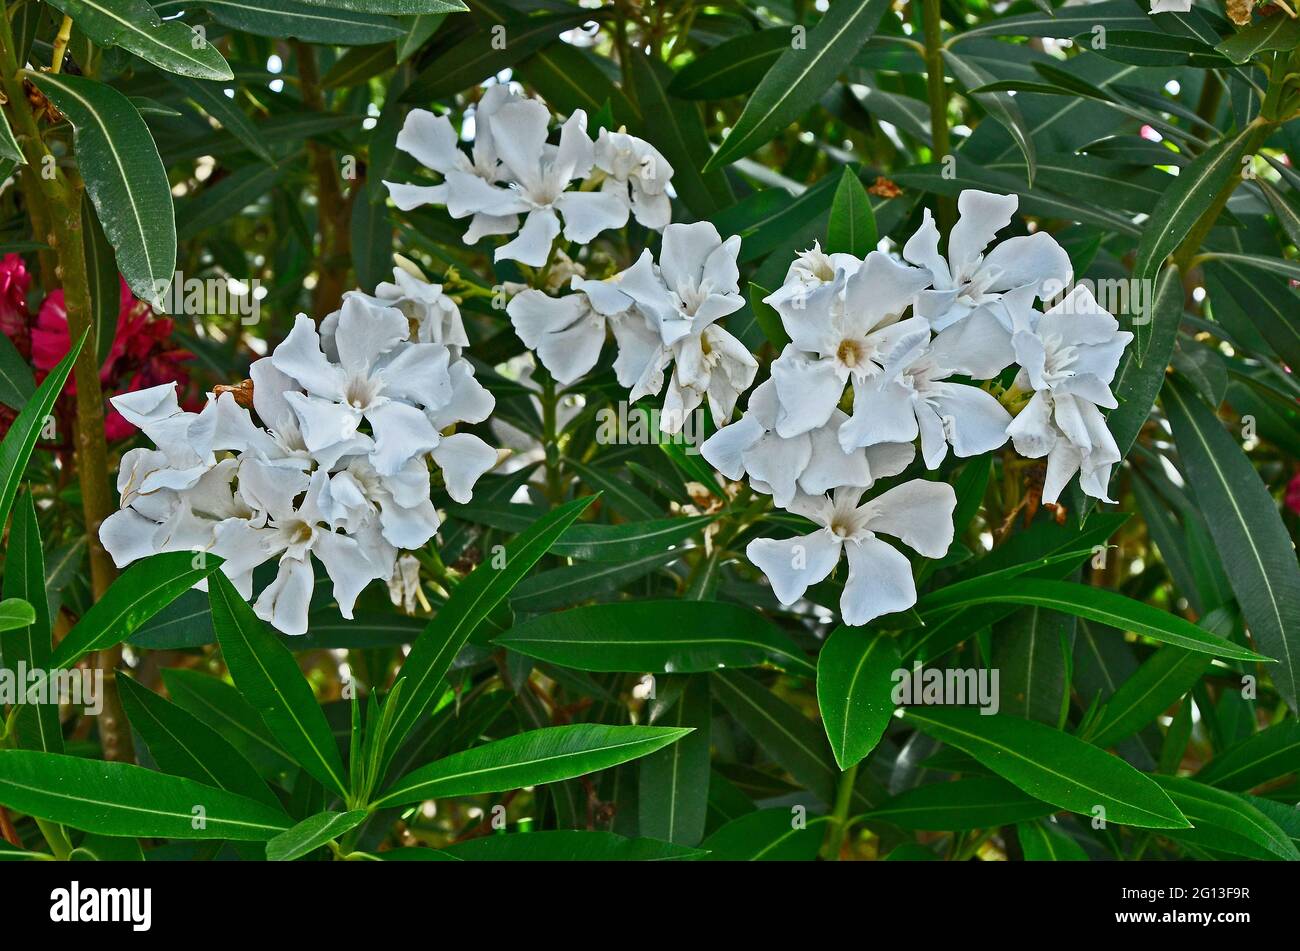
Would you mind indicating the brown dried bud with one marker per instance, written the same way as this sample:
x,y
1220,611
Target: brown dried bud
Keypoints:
x,y
884,188
1239,11
242,392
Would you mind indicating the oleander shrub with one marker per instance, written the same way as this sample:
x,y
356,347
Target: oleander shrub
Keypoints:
x,y
535,429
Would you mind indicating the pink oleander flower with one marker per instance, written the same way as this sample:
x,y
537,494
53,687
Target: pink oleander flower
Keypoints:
x,y
1293,494
15,319
141,356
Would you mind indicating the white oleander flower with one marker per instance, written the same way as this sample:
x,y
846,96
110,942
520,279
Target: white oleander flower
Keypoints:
x,y
917,513
567,333
680,299
433,142
1171,6
291,525
434,316
638,174
810,270
405,391
840,334
913,396
968,279
536,177
811,463
1068,357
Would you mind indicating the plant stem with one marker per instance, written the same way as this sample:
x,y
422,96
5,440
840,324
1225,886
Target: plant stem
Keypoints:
x,y
61,194
938,96
61,44
840,817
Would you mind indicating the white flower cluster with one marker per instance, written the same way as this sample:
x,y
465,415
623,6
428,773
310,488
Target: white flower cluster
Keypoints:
x,y
512,172
891,342
337,468
660,314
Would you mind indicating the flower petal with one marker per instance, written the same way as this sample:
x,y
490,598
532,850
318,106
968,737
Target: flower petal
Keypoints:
x,y
792,565
879,583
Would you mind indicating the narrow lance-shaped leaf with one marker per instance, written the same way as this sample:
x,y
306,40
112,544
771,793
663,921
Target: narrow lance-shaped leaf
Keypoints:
x,y
1253,544
121,799
855,690
1098,604
36,724
138,594
540,756
799,77
472,601
1000,106
673,791
134,26
268,676
1052,766
124,177
183,745
19,442
1186,199
852,227
312,833
658,636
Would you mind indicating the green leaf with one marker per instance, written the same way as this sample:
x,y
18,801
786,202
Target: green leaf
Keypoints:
x,y
561,587
358,65
1266,756
657,636
1268,33
216,105
769,835
120,799
124,177
484,53
1163,678
280,19
138,594
220,706
1052,766
16,613
16,449
799,77
1040,842
855,680
788,736
1253,545
134,26
35,724
470,603
183,745
16,381
1226,822
312,833
394,7
1095,604
1267,300
852,227
769,321
678,132
567,845
9,148
268,676
416,31
977,802
217,204
540,756
999,105
1186,199
103,282
673,791
733,67
1142,367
